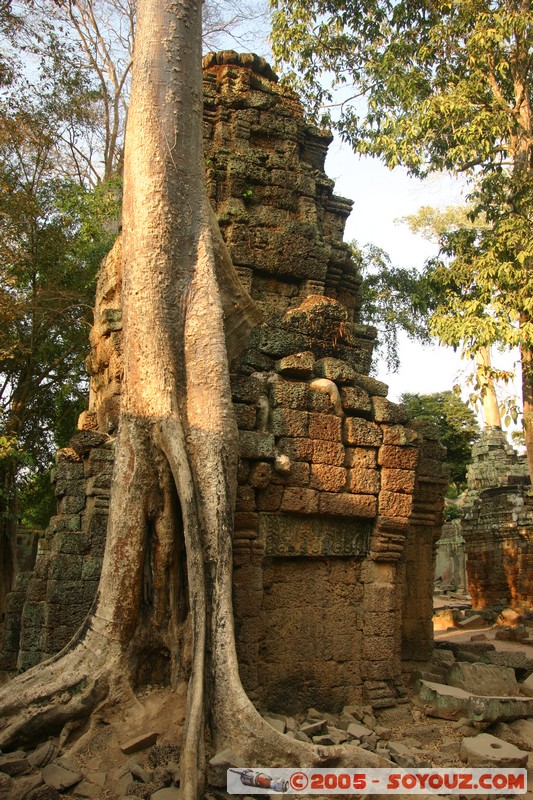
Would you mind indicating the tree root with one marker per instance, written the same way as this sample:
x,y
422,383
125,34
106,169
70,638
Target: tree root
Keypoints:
x,y
67,687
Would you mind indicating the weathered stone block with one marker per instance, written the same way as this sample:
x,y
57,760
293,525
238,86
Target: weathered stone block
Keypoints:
x,y
92,567
393,504
325,426
398,457
256,444
296,449
89,589
334,370
378,648
327,478
371,385
356,401
399,435
303,501
245,389
298,474
347,505
65,523
289,394
366,457
398,480
325,452
319,401
286,422
360,432
483,679
66,567
99,484
278,342
245,416
260,474
245,499
246,521
363,481
485,750
74,487
388,412
297,365
33,614
269,499
64,592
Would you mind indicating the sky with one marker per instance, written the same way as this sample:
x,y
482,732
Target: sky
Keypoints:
x,y
381,198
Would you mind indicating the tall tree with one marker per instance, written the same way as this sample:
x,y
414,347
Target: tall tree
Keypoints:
x,y
457,426
436,86
166,582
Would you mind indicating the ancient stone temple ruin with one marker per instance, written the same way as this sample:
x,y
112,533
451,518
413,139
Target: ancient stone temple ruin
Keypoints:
x,y
339,502
497,526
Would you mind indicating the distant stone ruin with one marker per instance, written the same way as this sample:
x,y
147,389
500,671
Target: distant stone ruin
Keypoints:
x,y
339,503
497,526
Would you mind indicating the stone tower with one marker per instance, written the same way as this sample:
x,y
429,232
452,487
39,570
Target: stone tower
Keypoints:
x,y
339,503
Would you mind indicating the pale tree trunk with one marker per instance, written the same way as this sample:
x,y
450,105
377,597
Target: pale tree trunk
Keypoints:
x,y
489,400
167,572
527,397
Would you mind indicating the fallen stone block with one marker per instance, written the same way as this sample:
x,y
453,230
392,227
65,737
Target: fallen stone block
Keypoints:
x,y
509,617
485,750
449,702
526,687
139,742
487,680
86,790
357,731
314,728
43,755
14,763
218,766
43,792
59,777
404,756
473,621
337,734
524,729
170,793
324,739
504,731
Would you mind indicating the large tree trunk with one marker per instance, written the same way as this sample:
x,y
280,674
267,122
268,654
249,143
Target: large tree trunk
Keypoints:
x,y
489,400
165,590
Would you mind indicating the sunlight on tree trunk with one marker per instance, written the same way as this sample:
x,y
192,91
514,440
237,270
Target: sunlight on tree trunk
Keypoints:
x,y
489,400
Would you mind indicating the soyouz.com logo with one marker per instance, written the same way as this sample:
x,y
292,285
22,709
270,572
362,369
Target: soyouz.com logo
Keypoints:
x,y
376,781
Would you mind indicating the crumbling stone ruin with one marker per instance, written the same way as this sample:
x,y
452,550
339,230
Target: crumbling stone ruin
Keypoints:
x,y
339,502
497,526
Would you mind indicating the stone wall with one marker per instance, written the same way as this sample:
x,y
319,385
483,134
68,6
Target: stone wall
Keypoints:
x,y
497,526
339,502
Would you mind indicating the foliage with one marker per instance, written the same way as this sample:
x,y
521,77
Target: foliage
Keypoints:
x,y
456,423
53,234
390,300
433,85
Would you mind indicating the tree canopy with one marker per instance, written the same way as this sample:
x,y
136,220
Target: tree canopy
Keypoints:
x,y
457,426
